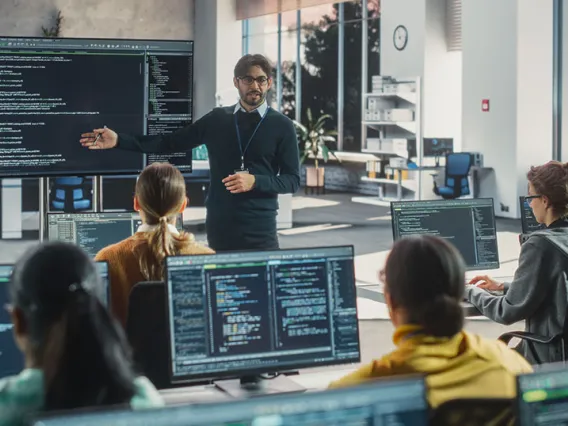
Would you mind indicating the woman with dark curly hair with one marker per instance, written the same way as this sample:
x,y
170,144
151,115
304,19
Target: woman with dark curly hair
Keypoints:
x,y
537,294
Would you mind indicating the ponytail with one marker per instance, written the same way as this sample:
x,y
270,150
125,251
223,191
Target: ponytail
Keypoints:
x,y
85,359
441,317
161,243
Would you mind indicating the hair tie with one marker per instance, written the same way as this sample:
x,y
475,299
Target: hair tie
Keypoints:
x,y
164,219
75,287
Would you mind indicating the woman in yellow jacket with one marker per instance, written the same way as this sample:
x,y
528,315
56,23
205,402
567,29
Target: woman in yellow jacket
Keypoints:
x,y
424,281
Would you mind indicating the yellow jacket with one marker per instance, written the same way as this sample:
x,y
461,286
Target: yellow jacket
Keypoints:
x,y
462,366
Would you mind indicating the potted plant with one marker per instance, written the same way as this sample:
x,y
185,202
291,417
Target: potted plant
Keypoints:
x,y
314,142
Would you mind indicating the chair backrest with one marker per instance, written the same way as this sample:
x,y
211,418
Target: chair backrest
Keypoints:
x,y
475,412
458,165
147,331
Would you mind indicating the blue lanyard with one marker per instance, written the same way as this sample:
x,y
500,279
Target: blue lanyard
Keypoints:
x,y
243,151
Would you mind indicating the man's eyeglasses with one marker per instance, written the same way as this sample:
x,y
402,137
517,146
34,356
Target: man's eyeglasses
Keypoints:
x,y
248,80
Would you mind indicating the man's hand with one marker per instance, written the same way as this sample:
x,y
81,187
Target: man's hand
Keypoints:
x,y
99,139
239,182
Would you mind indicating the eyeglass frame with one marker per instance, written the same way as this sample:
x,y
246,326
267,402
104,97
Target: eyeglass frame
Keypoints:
x,y
254,79
529,198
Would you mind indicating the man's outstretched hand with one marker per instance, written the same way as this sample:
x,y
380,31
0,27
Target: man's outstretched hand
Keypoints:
x,y
239,182
99,139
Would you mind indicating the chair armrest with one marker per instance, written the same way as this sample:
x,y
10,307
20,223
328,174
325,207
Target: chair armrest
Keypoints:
x,y
525,335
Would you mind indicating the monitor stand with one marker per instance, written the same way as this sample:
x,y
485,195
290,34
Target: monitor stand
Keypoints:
x,y
437,160
248,386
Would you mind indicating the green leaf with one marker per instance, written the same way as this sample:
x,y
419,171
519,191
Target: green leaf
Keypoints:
x,y
321,121
309,116
325,153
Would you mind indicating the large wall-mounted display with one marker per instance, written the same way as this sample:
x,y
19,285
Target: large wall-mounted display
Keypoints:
x,y
52,90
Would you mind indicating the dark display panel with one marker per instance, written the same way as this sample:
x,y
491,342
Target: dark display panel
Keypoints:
x,y
52,90
261,311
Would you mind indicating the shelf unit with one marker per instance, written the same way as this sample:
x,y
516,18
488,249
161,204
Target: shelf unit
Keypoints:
x,y
393,110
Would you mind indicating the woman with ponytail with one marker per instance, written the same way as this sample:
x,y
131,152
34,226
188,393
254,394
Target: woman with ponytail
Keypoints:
x,y
160,196
75,354
424,285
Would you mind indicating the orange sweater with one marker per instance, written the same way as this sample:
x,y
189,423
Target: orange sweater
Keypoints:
x,y
124,269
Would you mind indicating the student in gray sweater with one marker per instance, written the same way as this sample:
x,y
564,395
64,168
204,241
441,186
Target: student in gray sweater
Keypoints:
x,y
538,292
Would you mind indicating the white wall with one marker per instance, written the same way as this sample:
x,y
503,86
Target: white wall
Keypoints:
x,y
507,59
489,37
410,61
534,86
442,81
171,19
426,56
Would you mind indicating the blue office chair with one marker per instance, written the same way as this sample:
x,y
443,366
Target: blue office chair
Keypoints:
x,y
456,183
69,194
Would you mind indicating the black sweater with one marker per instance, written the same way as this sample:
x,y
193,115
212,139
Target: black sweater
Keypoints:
x,y
272,157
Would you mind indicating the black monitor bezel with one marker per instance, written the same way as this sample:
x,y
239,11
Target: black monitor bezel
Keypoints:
x,y
543,369
468,268
144,163
99,414
524,218
174,380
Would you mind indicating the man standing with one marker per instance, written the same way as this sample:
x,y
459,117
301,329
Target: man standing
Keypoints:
x,y
253,157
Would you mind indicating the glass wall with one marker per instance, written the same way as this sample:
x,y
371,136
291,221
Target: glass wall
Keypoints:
x,y
313,35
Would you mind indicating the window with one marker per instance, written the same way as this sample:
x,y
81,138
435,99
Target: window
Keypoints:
x,y
318,86
352,67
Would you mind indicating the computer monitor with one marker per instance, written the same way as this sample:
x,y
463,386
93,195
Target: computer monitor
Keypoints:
x,y
94,231
542,396
528,221
54,89
437,147
242,314
469,224
400,402
11,358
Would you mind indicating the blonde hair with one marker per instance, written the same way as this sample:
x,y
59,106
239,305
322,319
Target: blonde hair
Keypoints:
x,y
160,191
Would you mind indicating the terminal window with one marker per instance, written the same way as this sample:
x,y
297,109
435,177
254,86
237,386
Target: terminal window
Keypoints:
x,y
468,224
91,231
262,311
52,90
11,359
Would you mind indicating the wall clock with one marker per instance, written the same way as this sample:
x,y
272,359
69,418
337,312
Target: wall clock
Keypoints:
x,y
400,37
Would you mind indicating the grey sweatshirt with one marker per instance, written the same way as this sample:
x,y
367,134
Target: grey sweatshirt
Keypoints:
x,y
538,292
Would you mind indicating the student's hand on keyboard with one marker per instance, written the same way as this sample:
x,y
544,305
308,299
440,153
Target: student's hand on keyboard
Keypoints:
x,y
486,283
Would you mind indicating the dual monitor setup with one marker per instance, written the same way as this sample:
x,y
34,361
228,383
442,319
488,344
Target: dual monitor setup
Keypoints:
x,y
56,89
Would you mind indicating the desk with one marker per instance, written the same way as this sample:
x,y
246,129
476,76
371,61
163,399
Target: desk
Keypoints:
x,y
474,175
311,380
375,292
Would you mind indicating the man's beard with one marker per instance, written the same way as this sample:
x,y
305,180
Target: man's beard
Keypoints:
x,y
253,98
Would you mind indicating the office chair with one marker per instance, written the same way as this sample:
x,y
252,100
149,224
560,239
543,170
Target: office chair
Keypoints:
x,y
475,412
69,194
147,331
456,182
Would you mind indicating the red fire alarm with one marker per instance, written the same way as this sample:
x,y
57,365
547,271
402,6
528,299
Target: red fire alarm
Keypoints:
x,y
485,105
